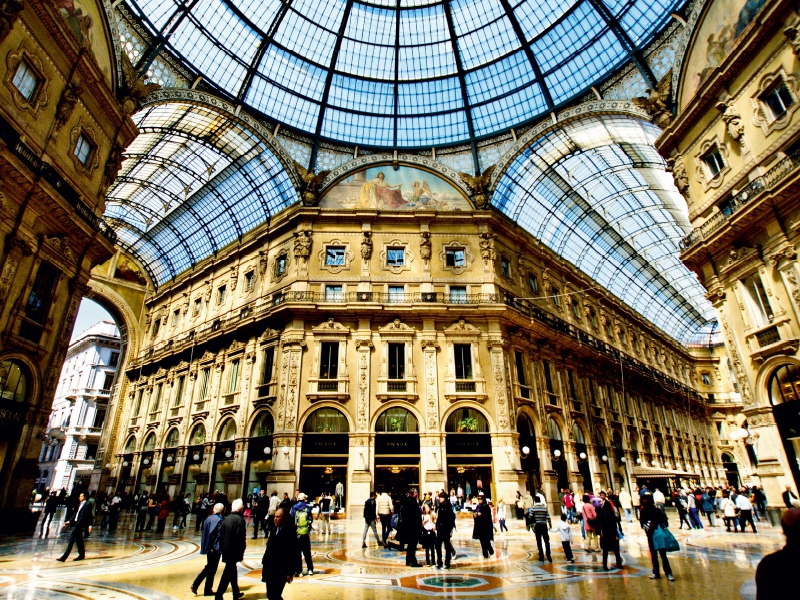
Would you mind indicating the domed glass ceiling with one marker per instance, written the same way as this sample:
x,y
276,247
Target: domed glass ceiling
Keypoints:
x,y
403,73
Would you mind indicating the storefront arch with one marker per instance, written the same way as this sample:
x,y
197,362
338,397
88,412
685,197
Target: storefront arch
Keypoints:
x,y
325,451
781,383
382,413
227,430
529,461
448,415
557,456
260,453
397,419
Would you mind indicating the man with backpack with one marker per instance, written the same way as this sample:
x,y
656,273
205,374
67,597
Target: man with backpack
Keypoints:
x,y
302,518
209,545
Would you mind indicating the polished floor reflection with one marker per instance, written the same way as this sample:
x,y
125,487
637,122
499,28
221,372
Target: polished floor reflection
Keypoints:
x,y
712,562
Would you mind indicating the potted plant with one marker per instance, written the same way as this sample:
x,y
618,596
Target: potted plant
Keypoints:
x,y
395,424
468,425
324,428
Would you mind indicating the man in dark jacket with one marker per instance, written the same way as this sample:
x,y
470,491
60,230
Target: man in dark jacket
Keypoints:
x,y
651,518
609,537
370,516
775,575
82,519
232,543
209,545
141,511
278,563
445,523
50,508
540,518
411,527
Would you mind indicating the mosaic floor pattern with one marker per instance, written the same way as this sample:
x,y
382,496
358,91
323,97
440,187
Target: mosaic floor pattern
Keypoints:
x,y
162,566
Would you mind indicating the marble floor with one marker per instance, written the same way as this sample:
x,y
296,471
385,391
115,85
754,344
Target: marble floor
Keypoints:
x,y
711,564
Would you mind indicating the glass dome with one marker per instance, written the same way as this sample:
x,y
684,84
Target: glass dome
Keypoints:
x,y
404,73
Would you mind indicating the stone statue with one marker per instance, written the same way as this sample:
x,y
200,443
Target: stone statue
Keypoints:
x,y
656,104
366,245
487,246
733,121
311,183
793,33
302,244
136,88
478,185
676,166
69,98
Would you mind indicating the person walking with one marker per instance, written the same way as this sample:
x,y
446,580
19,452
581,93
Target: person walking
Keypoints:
x,y
501,515
445,524
789,498
258,510
233,541
775,576
279,560
540,519
114,510
274,504
163,513
569,505
527,505
625,505
370,516
81,519
707,504
694,516
50,508
428,535
203,509
152,512
210,547
142,508
589,524
565,534
609,536
728,508
745,512
302,518
482,529
682,507
659,499
325,506
411,528
385,510
650,519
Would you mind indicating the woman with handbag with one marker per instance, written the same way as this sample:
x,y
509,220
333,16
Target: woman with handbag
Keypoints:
x,y
651,520
590,524
428,535
728,508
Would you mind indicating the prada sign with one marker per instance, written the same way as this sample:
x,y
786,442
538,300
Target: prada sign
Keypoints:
x,y
469,443
387,444
326,443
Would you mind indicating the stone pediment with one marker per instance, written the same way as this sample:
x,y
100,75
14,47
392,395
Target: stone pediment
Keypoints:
x,y
331,326
396,326
741,258
462,327
207,356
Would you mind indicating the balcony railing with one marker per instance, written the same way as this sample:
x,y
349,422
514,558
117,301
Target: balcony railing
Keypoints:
x,y
327,386
465,386
768,336
395,386
744,197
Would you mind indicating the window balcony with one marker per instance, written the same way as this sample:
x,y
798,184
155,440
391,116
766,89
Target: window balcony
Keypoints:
x,y
772,339
397,389
328,389
465,386
230,399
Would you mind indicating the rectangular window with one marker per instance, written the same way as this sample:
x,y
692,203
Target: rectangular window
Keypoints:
x,y
463,360
706,378
329,360
576,309
623,338
198,304
205,378
533,284
397,293
757,300
554,295
280,264
334,256
113,359
397,361
713,161
571,380
395,257
26,81
179,390
593,317
157,399
83,149
548,378
156,327
249,280
455,257
333,293
778,99
37,308
520,360
176,317
233,382
458,294
99,418
221,290
266,368
108,381
505,266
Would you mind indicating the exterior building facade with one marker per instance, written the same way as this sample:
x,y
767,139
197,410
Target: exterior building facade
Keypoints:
x,y
385,349
733,148
79,409
62,129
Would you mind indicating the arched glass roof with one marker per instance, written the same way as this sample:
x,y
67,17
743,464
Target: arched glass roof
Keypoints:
x,y
193,180
403,73
596,192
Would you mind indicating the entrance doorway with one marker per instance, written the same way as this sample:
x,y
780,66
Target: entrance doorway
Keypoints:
x,y
784,394
395,481
316,480
472,480
529,460
324,454
731,469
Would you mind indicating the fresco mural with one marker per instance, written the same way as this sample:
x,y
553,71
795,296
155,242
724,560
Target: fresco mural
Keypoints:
x,y
383,188
722,24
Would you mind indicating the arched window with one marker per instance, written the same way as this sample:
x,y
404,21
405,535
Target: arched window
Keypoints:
x,y
599,437
149,442
395,420
728,458
784,384
172,438
577,433
130,445
553,430
466,420
525,425
263,425
326,420
13,381
227,431
198,435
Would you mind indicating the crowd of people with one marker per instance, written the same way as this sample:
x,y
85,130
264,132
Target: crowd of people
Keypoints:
x,y
408,522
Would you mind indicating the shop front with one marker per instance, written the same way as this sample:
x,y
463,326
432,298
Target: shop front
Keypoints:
x,y
529,453
469,453
557,457
259,455
324,453
194,479
396,452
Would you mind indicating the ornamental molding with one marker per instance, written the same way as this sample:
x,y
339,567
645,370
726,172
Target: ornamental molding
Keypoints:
x,y
761,112
40,97
701,169
595,107
93,160
461,327
234,113
408,256
331,326
396,327
693,11
374,160
469,257
348,256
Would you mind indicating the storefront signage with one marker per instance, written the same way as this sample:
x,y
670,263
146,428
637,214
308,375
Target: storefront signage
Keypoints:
x,y
326,443
397,444
469,443
12,414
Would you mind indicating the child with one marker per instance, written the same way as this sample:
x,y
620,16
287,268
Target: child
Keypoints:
x,y
565,533
428,537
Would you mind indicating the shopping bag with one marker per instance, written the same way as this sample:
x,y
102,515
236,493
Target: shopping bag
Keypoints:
x,y
659,539
671,544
